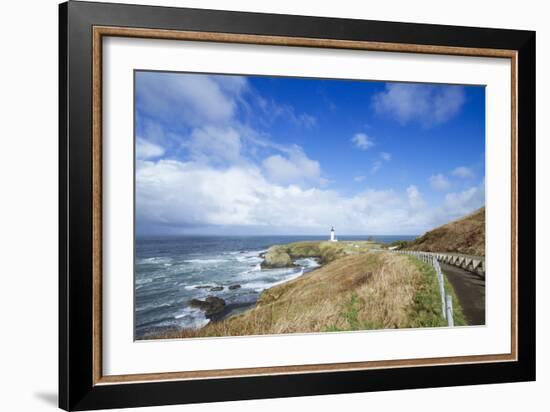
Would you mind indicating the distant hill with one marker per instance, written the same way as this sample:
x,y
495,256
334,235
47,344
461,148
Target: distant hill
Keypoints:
x,y
465,235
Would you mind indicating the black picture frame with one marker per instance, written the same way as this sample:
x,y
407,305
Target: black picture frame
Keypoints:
x,y
77,390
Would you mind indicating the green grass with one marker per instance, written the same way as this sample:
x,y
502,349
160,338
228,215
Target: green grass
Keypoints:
x,y
427,310
458,314
358,291
350,315
327,251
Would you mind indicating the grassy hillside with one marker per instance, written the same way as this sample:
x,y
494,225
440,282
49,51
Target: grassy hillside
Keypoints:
x,y
358,290
326,252
465,235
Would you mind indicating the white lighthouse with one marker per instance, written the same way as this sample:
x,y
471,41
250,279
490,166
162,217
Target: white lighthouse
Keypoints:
x,y
332,236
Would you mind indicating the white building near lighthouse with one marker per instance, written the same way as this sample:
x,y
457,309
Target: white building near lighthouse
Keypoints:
x,y
332,235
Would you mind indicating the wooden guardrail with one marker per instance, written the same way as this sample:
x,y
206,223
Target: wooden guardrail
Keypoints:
x,y
474,264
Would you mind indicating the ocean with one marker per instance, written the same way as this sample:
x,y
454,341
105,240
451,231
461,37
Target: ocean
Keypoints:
x,y
172,270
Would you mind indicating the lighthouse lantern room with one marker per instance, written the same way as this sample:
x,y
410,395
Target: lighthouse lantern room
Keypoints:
x,y
332,236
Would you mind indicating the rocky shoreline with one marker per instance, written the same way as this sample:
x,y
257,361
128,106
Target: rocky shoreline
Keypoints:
x,y
278,256
354,290
217,309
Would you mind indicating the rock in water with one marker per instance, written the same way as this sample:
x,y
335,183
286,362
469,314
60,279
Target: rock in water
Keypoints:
x,y
211,306
233,287
277,257
216,288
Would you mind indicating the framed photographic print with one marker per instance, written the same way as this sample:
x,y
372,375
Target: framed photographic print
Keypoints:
x,y
257,205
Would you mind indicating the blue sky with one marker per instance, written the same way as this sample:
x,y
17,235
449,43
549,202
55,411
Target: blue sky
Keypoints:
x,y
218,154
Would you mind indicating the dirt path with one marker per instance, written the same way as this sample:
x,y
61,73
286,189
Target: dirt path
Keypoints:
x,y
470,290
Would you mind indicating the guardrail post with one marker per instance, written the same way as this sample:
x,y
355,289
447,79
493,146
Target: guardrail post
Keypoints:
x,y
441,291
431,259
450,320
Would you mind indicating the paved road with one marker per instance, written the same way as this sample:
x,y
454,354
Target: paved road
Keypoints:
x,y
470,290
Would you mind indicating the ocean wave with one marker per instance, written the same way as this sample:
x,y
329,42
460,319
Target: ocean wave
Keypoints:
x,y
259,284
185,276
278,272
250,260
199,286
291,277
155,260
143,281
248,256
308,263
152,306
191,318
252,270
205,261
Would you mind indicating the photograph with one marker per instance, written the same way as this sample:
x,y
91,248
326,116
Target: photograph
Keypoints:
x,y
269,205
256,204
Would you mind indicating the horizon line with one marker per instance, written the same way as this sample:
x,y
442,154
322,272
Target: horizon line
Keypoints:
x,y
259,235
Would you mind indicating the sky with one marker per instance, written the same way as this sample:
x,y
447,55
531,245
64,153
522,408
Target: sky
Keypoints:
x,y
259,155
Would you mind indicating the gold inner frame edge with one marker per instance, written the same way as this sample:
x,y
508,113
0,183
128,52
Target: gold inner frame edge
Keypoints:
x,y
101,31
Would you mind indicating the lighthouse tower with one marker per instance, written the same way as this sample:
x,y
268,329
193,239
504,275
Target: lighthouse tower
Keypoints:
x,y
332,237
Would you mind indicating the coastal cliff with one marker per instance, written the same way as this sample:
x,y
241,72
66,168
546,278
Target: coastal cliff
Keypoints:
x,y
354,289
284,255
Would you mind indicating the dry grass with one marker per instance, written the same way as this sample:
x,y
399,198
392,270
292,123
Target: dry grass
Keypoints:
x,y
357,291
465,235
325,251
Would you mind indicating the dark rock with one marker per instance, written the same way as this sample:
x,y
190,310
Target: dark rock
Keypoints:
x,y
216,288
204,287
233,287
211,306
196,303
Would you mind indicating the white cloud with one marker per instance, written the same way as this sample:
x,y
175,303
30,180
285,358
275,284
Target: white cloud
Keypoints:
x,y
428,105
362,141
147,150
376,166
189,99
295,168
461,203
213,144
177,196
233,84
463,172
415,198
274,111
307,120
439,182
225,184
385,156
359,178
